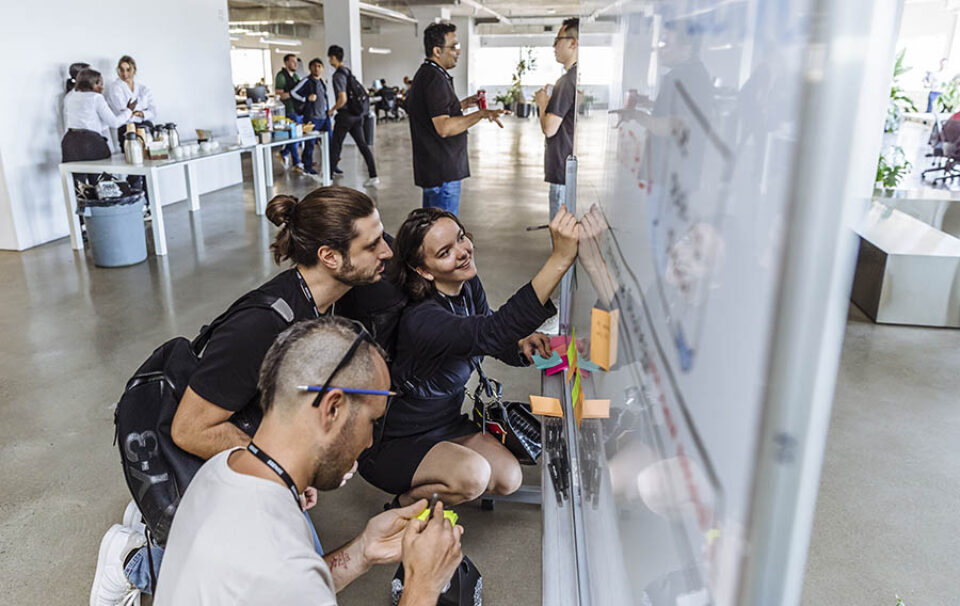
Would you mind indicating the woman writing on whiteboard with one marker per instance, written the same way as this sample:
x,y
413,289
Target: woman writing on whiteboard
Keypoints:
x,y
427,445
124,89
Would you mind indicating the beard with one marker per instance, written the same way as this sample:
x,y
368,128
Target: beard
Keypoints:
x,y
351,276
333,463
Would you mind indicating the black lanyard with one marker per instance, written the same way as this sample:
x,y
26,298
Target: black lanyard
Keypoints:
x,y
277,469
445,73
309,296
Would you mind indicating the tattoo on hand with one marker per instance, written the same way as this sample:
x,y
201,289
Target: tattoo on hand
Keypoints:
x,y
339,560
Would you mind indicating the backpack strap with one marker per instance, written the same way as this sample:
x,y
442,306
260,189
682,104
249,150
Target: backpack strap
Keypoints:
x,y
252,300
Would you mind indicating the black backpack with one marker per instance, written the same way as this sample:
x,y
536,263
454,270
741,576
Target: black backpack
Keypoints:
x,y
157,470
358,101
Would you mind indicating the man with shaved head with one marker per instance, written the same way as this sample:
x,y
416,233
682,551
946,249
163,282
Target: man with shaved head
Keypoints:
x,y
240,535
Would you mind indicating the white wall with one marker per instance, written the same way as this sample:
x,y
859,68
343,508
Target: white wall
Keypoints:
x,y
182,53
404,60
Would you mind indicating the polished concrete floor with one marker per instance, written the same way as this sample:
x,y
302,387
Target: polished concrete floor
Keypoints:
x,y
72,333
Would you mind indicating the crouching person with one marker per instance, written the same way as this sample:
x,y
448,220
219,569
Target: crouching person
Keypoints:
x,y
240,535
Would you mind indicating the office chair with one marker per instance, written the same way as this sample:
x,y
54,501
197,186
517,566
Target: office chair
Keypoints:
x,y
945,143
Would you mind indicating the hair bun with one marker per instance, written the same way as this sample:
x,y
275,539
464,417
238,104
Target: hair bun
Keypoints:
x,y
280,209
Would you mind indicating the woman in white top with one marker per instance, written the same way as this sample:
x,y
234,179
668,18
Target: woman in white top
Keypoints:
x,y
87,114
121,91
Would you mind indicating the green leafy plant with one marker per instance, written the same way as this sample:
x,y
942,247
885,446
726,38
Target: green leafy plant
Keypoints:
x,y
892,167
899,101
949,100
503,99
900,601
525,64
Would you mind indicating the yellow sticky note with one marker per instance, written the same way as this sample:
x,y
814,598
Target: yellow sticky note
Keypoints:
x,y
596,409
572,356
550,407
603,337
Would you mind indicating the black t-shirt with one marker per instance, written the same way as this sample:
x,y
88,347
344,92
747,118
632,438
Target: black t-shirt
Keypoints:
x,y
563,103
230,366
436,159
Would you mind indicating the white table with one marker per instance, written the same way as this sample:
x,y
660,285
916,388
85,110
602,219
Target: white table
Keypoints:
x,y
324,161
150,169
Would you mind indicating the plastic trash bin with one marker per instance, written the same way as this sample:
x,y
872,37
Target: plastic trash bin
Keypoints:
x,y
115,230
370,127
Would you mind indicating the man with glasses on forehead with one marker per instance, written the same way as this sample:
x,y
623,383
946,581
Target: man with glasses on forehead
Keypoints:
x,y
438,128
558,112
240,536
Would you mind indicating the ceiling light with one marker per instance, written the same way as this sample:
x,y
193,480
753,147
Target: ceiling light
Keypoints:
x,y
379,51
289,21
481,7
280,41
372,10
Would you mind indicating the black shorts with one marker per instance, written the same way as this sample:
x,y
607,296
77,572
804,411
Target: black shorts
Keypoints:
x,y
390,464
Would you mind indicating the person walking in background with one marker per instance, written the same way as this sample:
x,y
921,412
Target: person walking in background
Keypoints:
x,y
438,127
122,90
350,109
558,113
312,93
286,79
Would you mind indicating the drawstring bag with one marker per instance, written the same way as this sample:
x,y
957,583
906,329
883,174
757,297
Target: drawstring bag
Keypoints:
x,y
464,589
513,423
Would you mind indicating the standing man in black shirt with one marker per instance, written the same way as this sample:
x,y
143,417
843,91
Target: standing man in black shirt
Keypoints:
x,y
558,113
286,79
345,121
438,127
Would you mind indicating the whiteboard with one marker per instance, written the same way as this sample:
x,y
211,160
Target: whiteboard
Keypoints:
x,y
695,176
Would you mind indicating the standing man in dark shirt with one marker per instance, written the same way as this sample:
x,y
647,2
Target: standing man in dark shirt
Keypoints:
x,y
286,79
312,92
438,127
346,122
558,113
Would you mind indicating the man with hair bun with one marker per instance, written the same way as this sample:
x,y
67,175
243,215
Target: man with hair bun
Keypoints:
x,y
335,241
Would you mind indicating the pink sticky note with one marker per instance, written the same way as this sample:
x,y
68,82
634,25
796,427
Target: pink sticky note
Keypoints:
x,y
559,367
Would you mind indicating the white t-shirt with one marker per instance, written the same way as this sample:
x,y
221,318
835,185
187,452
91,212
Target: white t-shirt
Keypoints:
x,y
118,94
238,539
89,110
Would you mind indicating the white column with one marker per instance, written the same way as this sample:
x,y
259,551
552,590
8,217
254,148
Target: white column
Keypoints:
x,y
341,24
425,15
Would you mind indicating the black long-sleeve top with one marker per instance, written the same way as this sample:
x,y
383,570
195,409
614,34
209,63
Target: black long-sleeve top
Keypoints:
x,y
442,339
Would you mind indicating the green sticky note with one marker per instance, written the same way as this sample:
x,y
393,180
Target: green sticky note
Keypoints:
x,y
575,392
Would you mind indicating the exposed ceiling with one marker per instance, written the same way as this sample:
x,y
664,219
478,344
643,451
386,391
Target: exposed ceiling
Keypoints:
x,y
311,11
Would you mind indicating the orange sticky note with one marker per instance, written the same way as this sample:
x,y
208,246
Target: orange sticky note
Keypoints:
x,y
596,409
550,407
603,337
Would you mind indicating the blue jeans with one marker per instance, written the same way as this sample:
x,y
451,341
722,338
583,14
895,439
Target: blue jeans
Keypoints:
x,y
557,197
446,196
320,125
293,148
138,568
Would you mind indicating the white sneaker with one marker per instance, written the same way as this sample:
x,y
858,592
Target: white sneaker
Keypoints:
x,y
133,519
298,167
372,182
286,160
110,585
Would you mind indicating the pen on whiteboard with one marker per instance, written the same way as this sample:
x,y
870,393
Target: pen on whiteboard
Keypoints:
x,y
536,227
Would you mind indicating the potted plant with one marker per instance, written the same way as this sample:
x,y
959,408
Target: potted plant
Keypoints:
x,y
949,100
899,101
526,63
586,104
505,100
891,168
